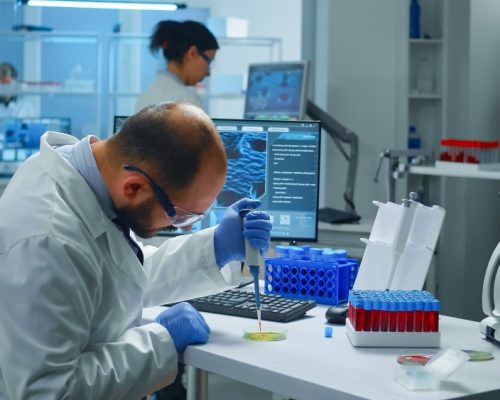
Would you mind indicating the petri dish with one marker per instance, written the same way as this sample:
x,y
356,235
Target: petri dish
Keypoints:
x,y
270,334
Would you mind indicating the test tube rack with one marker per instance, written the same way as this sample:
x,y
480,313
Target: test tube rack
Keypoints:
x,y
301,272
397,318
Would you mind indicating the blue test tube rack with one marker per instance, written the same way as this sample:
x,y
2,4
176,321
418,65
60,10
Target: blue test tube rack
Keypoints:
x,y
302,272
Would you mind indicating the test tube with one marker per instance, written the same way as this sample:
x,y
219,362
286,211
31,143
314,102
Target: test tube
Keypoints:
x,y
402,308
384,315
434,316
375,316
368,306
427,315
419,315
410,316
359,315
393,315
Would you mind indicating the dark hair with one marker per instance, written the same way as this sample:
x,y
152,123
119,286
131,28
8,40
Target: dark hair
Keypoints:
x,y
175,38
168,140
7,69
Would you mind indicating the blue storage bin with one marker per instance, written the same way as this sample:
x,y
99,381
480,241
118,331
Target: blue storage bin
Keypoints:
x,y
327,280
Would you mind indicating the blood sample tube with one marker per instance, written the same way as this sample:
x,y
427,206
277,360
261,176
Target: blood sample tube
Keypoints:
x,y
410,317
368,306
427,315
402,307
384,315
419,315
434,316
375,316
359,315
393,315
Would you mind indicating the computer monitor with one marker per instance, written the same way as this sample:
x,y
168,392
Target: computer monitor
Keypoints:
x,y
20,138
276,91
276,162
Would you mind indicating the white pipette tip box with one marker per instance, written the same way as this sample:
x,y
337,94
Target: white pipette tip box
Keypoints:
x,y
392,339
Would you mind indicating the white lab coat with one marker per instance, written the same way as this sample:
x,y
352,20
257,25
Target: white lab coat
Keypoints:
x,y
20,108
72,290
167,88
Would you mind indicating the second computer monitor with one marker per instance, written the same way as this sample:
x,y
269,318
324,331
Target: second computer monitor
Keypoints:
x,y
276,91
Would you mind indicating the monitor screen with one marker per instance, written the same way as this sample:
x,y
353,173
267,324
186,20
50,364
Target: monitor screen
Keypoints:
x,y
20,138
276,162
276,91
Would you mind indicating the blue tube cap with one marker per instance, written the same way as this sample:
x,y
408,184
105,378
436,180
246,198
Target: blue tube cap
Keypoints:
x,y
328,331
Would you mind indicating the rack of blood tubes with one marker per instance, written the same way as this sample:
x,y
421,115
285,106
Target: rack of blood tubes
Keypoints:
x,y
377,317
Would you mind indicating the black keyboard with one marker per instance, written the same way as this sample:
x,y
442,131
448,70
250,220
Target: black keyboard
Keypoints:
x,y
241,303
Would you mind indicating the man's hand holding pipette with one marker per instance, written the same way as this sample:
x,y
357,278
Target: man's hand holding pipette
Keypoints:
x,y
229,243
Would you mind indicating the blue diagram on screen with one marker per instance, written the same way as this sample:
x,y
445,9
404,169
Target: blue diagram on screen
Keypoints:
x,y
246,170
275,91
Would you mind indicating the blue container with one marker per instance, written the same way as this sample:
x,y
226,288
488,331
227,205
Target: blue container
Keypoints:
x,y
321,275
414,20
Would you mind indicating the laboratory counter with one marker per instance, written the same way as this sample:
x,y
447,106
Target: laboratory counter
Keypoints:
x,y
309,366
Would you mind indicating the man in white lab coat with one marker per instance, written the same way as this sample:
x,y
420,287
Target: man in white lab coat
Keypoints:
x,y
72,286
12,106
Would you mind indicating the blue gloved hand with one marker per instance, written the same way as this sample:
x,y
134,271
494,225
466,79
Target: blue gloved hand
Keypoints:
x,y
185,324
230,233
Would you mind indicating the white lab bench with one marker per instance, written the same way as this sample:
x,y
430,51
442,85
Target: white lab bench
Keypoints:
x,y
309,366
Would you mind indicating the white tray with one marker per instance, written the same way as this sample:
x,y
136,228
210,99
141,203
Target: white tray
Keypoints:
x,y
392,339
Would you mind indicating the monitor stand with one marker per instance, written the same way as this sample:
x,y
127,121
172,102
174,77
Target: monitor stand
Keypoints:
x,y
334,216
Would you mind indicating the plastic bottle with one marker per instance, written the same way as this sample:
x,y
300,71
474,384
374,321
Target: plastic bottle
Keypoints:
x,y
414,19
414,141
425,77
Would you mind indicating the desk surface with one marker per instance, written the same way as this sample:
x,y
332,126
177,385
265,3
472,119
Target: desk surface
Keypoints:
x,y
309,366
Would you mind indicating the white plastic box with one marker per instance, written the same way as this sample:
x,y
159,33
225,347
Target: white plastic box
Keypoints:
x,y
228,26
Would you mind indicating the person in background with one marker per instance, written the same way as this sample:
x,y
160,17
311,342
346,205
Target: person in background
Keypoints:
x,y
10,105
73,278
189,49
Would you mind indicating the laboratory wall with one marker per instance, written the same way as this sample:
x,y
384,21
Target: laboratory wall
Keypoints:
x,y
470,232
358,48
361,54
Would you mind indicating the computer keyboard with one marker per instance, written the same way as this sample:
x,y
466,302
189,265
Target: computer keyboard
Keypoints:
x,y
241,303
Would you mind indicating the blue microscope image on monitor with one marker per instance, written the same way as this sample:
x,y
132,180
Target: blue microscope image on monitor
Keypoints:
x,y
246,172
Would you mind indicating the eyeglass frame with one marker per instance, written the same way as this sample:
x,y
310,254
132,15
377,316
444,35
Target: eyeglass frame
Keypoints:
x,y
169,208
207,59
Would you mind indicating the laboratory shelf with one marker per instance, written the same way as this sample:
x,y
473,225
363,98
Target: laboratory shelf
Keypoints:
x,y
426,41
459,170
416,96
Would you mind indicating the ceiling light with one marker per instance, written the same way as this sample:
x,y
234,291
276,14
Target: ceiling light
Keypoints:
x,y
113,5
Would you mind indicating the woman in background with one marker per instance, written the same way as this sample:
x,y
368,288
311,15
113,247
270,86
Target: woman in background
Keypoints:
x,y
189,48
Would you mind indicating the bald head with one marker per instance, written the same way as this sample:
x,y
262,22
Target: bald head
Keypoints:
x,y
172,141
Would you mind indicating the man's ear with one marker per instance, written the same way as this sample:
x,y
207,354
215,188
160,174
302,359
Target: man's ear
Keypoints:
x,y
135,186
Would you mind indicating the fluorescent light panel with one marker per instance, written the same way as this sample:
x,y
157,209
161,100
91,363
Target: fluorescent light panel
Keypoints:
x,y
106,5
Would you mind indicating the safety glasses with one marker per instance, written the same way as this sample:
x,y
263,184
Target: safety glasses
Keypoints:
x,y
178,217
207,59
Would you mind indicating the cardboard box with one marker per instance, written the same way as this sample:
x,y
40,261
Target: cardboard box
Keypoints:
x,y
228,26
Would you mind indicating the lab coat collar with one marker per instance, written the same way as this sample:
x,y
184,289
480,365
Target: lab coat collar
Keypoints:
x,y
89,211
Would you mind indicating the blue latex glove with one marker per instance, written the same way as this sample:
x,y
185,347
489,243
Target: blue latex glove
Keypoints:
x,y
185,324
230,233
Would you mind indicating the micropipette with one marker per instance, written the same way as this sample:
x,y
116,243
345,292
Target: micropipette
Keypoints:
x,y
252,261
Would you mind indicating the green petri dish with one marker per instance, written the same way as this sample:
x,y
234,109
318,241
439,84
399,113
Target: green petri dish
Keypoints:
x,y
264,336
